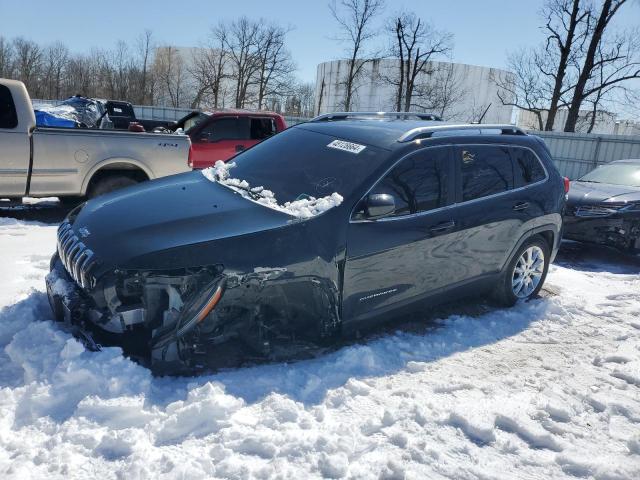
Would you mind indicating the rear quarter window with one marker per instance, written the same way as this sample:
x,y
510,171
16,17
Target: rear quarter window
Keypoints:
x,y
527,168
8,115
262,127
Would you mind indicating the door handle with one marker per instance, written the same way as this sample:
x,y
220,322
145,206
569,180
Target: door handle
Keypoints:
x,y
239,148
443,226
521,206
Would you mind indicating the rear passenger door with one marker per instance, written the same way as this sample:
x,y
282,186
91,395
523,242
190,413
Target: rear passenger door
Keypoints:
x,y
398,258
487,215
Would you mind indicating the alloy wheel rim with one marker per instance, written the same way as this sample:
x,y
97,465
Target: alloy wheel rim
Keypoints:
x,y
528,271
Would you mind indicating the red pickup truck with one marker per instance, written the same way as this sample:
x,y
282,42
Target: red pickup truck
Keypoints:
x,y
222,135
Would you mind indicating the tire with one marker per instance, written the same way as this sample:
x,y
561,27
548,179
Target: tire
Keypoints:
x,y
526,260
109,184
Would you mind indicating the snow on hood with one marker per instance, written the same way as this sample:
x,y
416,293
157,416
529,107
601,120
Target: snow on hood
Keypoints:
x,y
303,208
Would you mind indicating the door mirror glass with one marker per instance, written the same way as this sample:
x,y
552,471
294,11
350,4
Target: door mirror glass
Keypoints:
x,y
379,205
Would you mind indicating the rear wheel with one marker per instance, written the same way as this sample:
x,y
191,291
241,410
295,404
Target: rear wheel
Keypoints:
x,y
109,184
525,274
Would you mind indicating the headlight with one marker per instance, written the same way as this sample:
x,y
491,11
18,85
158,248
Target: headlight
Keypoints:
x,y
197,309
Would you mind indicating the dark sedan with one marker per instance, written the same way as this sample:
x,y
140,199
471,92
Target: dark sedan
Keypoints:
x,y
604,206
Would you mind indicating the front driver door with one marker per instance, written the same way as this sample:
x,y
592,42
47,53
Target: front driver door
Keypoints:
x,y
221,139
397,259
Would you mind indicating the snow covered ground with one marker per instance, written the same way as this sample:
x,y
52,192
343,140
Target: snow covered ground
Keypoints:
x,y
548,389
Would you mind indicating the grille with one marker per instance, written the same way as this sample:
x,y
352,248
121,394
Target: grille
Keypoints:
x,y
75,256
594,211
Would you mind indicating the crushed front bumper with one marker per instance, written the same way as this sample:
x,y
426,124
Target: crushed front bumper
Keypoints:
x,y
614,231
70,305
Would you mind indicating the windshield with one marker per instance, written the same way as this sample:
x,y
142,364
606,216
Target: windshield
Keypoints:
x,y
297,164
627,174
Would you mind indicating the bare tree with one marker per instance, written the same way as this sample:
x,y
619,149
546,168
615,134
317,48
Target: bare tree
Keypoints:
x,y
616,57
28,64
209,68
302,102
416,43
275,66
321,95
448,91
355,18
145,48
241,45
523,86
170,71
56,58
6,58
566,26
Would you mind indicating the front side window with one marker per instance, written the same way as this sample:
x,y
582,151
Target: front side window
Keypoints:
x,y
8,116
485,170
226,128
527,168
418,183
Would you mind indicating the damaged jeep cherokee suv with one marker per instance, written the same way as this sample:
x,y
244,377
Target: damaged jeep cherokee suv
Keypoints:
x,y
317,231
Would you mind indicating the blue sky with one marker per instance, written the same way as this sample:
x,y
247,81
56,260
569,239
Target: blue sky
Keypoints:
x,y
484,30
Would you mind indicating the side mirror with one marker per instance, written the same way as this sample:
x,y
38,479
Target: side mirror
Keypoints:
x,y
379,205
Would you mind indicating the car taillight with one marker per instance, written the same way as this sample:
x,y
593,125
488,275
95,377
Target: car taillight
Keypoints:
x,y
189,159
567,184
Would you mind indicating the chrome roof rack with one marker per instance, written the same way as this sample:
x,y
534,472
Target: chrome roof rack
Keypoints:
x,y
452,129
376,116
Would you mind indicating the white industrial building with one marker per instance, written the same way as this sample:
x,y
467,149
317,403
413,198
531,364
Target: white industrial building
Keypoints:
x,y
455,91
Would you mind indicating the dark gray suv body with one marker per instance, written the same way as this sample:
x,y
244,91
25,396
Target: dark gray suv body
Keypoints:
x,y
428,212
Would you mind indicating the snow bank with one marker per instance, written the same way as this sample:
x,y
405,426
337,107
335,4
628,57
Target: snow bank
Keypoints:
x,y
303,208
546,389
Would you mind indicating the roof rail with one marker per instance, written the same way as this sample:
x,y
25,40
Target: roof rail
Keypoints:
x,y
435,130
375,115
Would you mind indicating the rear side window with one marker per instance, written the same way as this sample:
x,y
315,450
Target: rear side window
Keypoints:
x,y
418,183
8,115
262,128
527,168
485,170
226,128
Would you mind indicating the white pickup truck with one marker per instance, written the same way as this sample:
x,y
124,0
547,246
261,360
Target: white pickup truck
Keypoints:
x,y
72,163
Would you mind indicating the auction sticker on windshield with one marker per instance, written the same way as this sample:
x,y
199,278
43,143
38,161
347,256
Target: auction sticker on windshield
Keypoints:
x,y
346,146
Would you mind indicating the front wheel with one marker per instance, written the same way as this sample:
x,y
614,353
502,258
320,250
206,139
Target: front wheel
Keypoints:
x,y
525,274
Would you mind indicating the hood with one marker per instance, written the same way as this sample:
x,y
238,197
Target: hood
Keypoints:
x,y
587,193
176,211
